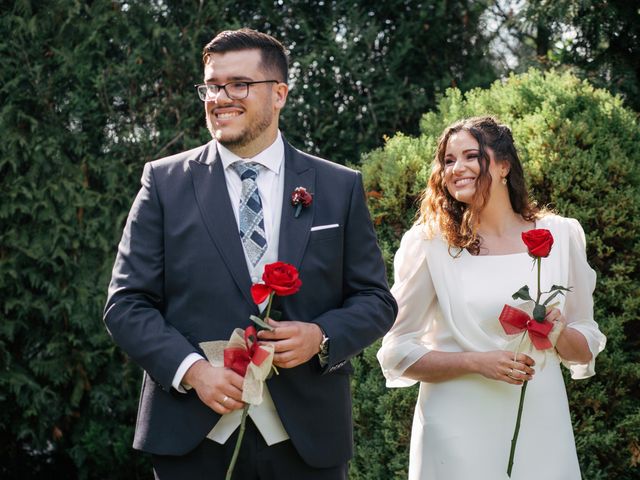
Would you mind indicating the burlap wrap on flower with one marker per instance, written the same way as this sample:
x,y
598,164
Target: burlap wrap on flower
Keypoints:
x,y
245,356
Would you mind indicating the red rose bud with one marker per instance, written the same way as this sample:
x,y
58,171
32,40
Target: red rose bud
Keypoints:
x,y
538,241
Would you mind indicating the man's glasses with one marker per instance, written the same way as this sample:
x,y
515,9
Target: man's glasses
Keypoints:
x,y
208,92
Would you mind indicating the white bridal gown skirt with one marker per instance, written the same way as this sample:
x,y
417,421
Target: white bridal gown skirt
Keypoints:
x,y
462,430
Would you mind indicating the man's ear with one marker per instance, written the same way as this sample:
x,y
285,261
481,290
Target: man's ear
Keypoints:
x,y
280,95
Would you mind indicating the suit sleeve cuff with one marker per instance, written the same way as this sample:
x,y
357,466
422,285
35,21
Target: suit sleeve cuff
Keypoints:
x,y
182,369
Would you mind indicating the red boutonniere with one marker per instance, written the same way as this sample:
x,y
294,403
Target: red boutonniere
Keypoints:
x,y
513,320
300,198
279,279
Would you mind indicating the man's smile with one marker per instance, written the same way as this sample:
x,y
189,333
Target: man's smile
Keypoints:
x,y
226,113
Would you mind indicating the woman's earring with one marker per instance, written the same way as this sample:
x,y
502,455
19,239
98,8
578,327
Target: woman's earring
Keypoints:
x,y
504,180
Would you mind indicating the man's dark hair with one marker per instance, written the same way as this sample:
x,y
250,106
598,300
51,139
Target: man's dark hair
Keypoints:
x,y
273,53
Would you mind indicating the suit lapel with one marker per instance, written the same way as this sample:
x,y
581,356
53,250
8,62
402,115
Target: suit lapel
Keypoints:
x,y
294,232
216,210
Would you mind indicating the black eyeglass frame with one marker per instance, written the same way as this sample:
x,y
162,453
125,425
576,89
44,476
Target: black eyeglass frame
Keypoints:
x,y
208,86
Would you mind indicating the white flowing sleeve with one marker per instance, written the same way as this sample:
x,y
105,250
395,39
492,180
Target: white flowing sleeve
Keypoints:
x,y
578,308
413,289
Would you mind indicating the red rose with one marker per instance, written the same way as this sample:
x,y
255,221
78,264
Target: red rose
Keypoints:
x,y
279,278
538,241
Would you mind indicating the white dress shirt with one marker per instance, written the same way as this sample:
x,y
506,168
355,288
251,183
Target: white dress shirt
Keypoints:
x,y
270,181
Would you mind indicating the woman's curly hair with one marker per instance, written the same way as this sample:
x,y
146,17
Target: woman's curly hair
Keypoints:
x,y
455,220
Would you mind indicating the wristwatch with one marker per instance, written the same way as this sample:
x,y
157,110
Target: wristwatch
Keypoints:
x,y
323,354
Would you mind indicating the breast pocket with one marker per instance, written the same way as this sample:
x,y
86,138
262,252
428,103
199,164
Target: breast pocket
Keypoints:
x,y
323,256
325,234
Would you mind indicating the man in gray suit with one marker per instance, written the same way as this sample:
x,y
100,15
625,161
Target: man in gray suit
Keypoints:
x,y
199,233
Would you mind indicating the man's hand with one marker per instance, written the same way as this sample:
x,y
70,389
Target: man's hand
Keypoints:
x,y
219,388
294,342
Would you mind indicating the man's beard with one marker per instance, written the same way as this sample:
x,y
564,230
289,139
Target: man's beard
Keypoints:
x,y
247,135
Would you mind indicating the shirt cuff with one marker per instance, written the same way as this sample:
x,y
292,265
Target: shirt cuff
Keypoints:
x,y
323,354
324,360
182,369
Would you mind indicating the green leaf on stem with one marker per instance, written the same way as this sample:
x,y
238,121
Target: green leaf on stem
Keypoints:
x,y
261,323
539,312
560,288
551,297
522,294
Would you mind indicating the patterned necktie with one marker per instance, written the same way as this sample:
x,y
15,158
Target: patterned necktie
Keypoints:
x,y
251,215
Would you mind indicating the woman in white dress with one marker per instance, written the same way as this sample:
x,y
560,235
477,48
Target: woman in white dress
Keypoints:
x,y
455,270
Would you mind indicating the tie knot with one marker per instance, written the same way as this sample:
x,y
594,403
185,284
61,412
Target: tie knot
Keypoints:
x,y
247,170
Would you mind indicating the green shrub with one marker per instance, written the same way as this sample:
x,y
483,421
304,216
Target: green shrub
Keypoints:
x,y
581,151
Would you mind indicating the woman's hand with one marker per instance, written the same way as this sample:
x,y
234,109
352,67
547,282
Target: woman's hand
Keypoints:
x,y
559,323
500,365
438,366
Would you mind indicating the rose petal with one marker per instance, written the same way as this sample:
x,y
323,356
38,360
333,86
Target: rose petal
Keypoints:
x,y
283,291
260,292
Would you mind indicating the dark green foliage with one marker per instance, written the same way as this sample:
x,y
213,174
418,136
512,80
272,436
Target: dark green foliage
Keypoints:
x,y
600,39
606,47
580,150
382,422
368,69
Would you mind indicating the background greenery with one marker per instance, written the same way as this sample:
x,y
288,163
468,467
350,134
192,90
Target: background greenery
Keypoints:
x,y
89,91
